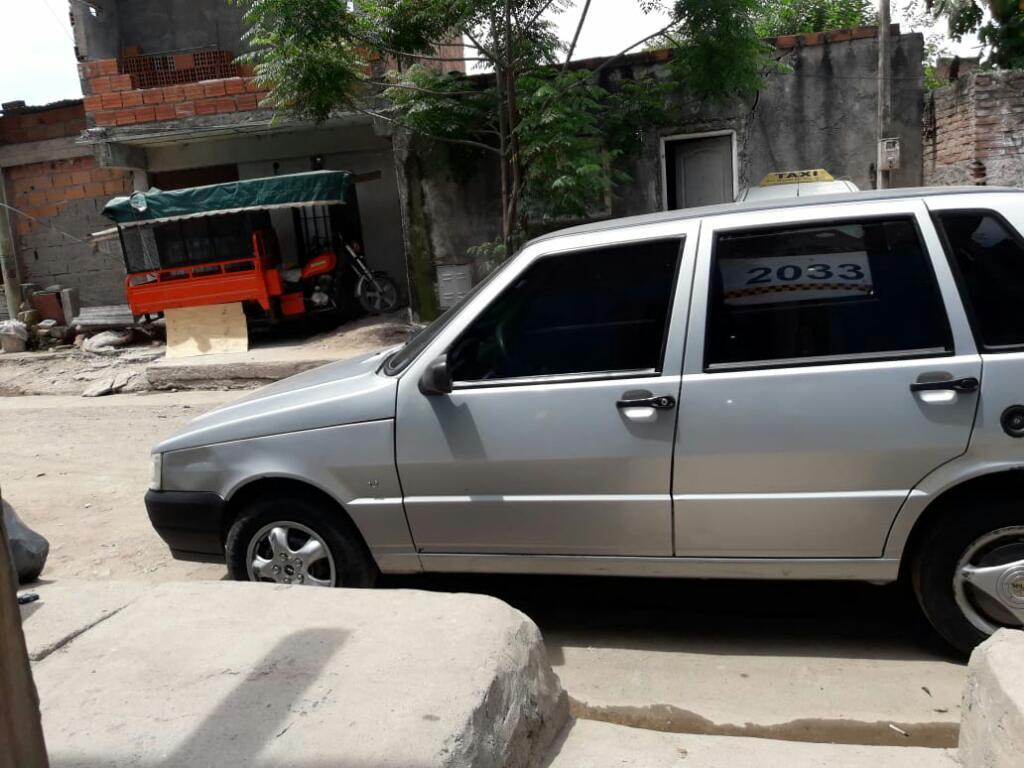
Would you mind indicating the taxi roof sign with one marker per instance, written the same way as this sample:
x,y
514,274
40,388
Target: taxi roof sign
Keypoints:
x,y
796,177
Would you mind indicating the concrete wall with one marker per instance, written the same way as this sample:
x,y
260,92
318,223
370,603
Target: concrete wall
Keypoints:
x,y
820,115
170,25
974,131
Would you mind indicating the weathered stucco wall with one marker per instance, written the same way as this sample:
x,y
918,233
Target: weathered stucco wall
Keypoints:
x,y
974,131
820,115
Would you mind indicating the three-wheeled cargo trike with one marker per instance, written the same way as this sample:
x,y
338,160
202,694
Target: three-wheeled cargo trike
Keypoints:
x,y
225,243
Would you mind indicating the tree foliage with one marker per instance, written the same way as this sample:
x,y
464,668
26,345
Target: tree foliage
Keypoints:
x,y
557,131
790,17
1002,33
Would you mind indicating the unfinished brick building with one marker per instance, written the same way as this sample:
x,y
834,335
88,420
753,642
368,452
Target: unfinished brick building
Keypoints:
x,y
974,131
57,187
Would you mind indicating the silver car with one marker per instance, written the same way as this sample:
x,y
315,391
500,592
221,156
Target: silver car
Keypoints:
x,y
815,388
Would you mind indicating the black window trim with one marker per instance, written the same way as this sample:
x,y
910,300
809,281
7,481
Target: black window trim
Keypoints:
x,y
808,362
589,376
958,277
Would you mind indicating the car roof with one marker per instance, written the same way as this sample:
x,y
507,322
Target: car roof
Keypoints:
x,y
767,205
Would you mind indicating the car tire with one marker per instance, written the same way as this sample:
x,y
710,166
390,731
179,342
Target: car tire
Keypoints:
x,y
350,564
935,569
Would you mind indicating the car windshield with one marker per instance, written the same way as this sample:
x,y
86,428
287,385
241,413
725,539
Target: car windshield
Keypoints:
x,y
400,360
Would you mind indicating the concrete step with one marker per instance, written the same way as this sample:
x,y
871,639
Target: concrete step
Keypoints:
x,y
589,744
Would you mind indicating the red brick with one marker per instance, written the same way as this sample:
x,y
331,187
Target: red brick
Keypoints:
x,y
81,177
173,93
131,99
93,103
165,112
206,107
84,162
786,41
62,180
184,60
185,109
861,33
106,66
121,83
246,69
839,35
94,189
234,85
812,38
226,105
55,195
113,187
105,118
126,117
246,102
252,87
100,85
36,198
111,100
194,91
44,212
75,192
213,88
153,96
145,115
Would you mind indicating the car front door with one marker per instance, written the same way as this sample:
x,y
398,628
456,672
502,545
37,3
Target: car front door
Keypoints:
x,y
829,369
557,436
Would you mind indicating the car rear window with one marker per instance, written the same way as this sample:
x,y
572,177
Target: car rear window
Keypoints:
x,y
825,292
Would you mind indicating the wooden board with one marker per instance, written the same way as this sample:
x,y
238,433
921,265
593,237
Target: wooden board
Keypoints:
x,y
21,734
213,330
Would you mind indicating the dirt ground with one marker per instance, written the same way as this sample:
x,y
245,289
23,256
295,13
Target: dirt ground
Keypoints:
x,y
76,470
72,371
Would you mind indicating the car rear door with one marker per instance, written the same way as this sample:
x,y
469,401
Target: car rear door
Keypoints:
x,y
828,369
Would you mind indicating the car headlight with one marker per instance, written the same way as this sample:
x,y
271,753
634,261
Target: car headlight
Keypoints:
x,y
156,471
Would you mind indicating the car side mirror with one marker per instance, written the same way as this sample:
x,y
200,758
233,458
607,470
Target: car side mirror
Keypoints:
x,y
437,378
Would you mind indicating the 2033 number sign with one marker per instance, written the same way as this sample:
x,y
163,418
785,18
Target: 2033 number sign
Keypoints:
x,y
774,279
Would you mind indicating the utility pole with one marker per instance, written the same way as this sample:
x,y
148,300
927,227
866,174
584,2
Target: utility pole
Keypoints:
x,y
884,86
8,258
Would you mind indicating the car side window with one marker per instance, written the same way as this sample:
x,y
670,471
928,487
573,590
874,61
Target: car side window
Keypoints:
x,y
589,311
823,293
989,257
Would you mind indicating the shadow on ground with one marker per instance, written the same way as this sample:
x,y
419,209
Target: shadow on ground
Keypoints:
x,y
770,618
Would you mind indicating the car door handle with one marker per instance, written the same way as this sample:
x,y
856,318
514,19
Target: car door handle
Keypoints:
x,y
968,384
646,400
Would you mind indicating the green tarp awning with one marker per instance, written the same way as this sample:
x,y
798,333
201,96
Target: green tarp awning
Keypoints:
x,y
314,188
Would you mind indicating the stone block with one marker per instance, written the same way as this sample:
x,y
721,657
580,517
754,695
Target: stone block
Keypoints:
x,y
301,676
992,724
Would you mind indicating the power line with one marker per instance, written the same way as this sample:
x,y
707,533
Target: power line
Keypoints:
x,y
20,212
60,23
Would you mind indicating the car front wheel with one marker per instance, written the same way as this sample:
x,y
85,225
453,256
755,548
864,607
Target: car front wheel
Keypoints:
x,y
969,574
296,540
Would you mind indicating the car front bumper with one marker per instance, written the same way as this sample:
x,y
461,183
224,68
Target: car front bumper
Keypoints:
x,y
190,522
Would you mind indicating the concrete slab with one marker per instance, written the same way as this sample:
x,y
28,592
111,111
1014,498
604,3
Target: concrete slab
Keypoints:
x,y
235,674
847,700
992,733
601,745
66,609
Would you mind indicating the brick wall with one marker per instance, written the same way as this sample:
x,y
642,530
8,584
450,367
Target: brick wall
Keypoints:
x,y
114,99
65,195
974,131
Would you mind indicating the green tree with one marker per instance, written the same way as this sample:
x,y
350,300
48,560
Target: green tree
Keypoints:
x,y
790,17
1002,32
555,129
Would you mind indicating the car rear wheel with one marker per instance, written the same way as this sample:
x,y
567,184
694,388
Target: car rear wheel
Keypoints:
x,y
969,574
296,540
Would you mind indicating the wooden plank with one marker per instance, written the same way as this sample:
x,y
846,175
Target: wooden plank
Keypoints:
x,y
21,731
213,330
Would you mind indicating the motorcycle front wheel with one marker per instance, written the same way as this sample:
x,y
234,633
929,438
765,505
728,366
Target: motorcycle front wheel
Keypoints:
x,y
378,295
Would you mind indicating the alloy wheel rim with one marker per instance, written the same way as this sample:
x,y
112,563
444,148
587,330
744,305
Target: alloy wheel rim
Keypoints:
x,y
286,552
988,583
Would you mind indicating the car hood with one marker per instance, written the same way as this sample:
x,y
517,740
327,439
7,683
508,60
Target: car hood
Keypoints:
x,y
346,392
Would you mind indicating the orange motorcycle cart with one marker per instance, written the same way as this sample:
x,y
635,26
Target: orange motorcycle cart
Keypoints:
x,y
221,244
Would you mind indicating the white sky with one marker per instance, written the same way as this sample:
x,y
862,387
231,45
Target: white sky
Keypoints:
x,y
37,62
